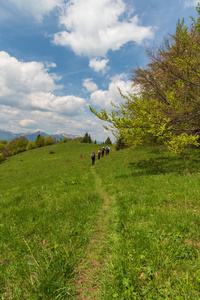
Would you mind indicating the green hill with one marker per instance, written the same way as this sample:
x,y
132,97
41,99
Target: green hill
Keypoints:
x,y
125,228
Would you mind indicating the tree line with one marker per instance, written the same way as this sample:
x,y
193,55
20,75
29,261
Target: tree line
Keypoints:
x,y
21,144
164,107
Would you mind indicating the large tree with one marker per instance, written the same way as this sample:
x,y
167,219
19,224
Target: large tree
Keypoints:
x,y
166,108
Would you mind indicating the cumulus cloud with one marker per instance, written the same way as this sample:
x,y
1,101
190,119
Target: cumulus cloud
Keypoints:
x,y
29,85
99,65
23,77
103,98
90,85
37,8
28,123
94,27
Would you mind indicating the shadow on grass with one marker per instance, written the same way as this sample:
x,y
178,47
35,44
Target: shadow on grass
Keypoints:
x,y
164,164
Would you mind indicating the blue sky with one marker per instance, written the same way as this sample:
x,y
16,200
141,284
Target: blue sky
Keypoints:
x,y
59,56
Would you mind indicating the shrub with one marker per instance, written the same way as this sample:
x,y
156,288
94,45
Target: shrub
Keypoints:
x,y
51,152
5,154
17,145
49,141
30,146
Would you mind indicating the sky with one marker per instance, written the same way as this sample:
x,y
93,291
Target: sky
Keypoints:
x,y
57,57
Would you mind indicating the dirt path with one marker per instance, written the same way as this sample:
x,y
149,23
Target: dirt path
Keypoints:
x,y
90,271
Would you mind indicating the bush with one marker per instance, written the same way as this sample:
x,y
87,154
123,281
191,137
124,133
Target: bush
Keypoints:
x,y
2,147
49,141
5,154
30,146
51,152
65,140
17,145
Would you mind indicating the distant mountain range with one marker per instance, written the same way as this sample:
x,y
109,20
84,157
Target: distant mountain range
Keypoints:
x,y
31,136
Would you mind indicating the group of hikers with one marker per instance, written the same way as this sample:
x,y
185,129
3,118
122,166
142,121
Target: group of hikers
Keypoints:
x,y
100,153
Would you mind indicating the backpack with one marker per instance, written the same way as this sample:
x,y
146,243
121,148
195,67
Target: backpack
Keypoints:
x,y
93,155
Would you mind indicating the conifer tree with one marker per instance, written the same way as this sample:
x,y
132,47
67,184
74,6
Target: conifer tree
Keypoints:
x,y
108,141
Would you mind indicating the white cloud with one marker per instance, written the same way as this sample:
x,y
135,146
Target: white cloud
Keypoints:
x,y
189,3
99,65
103,98
76,125
69,105
23,77
94,27
28,123
37,8
8,114
28,85
89,85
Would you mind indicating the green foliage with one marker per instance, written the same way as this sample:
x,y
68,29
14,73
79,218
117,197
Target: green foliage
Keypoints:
x,y
66,140
108,141
120,144
77,140
86,138
2,147
178,144
48,141
31,145
39,141
17,145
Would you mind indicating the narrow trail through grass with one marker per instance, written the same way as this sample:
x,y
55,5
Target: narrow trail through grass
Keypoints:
x,y
90,271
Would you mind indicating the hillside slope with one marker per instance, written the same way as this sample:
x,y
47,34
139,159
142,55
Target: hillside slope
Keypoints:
x,y
125,228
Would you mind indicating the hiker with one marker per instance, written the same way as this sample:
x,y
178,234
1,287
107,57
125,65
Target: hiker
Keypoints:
x,y
99,153
102,151
107,150
93,155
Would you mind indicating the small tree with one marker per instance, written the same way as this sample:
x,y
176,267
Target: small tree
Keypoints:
x,y
39,141
49,141
89,139
31,145
108,141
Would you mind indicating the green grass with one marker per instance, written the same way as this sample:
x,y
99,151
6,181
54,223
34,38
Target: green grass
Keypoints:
x,y
52,208
48,203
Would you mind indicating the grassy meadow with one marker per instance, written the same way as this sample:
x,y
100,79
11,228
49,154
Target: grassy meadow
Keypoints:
x,y
125,228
